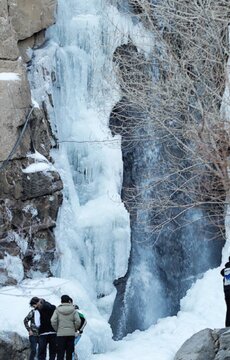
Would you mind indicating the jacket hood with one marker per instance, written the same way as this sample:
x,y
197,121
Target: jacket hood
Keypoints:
x,y
66,309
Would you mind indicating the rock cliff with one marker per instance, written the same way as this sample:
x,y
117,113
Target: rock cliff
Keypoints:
x,y
29,201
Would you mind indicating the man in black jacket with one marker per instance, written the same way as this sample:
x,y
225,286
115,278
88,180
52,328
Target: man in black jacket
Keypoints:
x,y
225,272
47,335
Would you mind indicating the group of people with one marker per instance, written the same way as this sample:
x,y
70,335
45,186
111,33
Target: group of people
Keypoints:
x,y
55,327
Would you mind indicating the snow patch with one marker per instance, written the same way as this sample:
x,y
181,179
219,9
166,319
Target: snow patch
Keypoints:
x,y
9,76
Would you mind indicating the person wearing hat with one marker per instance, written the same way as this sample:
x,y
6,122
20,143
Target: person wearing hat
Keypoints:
x,y
47,335
66,322
32,324
225,272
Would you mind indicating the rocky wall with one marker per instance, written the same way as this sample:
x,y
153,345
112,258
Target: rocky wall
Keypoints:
x,y
29,201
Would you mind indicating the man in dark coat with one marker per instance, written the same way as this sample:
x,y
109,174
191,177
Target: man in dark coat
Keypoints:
x,y
225,272
47,335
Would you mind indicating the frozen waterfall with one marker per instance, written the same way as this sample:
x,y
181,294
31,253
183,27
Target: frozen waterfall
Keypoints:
x,y
93,231
72,76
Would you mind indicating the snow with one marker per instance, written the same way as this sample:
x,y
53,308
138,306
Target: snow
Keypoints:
x,y
41,164
203,307
35,104
9,76
38,167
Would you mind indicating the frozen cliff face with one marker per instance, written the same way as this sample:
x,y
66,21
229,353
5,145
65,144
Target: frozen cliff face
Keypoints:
x,y
93,229
73,78
28,200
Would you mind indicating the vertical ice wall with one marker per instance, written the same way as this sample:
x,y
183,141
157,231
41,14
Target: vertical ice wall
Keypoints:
x,y
72,76
93,236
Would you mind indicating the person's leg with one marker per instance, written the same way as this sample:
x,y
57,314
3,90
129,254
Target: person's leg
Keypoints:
x,y
60,347
52,339
33,346
227,320
69,347
42,344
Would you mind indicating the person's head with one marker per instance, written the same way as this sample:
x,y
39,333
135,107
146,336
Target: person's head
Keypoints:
x,y
66,299
36,302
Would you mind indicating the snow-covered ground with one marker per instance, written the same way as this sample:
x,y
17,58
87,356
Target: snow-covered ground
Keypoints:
x,y
202,307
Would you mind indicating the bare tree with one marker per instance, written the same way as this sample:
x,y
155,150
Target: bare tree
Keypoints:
x,y
171,97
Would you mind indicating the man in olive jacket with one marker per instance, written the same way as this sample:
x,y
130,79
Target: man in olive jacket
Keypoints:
x,y
65,321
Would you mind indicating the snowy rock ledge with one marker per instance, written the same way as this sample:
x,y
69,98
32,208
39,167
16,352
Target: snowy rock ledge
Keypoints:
x,y
13,346
207,344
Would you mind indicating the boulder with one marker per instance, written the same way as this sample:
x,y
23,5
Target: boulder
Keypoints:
x,y
13,346
207,344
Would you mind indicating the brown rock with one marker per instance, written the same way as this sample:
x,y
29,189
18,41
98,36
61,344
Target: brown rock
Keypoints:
x,y
31,16
8,42
14,103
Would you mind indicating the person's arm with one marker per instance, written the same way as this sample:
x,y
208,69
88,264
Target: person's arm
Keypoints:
x,y
83,324
27,320
222,272
77,321
54,320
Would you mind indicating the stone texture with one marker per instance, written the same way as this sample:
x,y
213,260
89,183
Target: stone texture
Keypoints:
x,y
223,343
25,46
13,346
8,42
28,202
199,347
207,344
28,210
15,101
31,16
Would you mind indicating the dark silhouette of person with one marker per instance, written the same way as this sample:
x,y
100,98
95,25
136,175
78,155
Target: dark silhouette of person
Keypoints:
x,y
225,272
47,335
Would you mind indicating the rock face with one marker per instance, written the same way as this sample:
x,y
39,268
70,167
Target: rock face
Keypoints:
x,y
13,346
29,202
29,17
207,344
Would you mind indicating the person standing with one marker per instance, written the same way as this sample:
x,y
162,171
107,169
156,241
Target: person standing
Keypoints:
x,y
32,324
66,321
47,335
225,272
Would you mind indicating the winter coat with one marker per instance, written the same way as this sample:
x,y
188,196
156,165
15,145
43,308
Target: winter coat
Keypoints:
x,y
46,311
65,320
226,287
32,326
